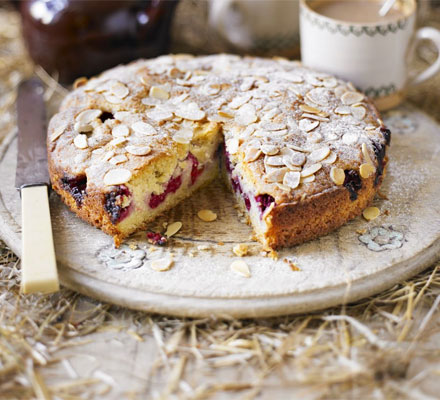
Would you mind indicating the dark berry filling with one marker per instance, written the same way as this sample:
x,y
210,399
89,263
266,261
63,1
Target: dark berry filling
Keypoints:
x,y
379,151
156,238
264,201
386,134
105,116
172,186
113,204
76,187
195,171
352,183
228,164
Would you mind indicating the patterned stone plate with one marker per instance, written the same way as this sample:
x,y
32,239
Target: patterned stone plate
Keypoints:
x,y
358,260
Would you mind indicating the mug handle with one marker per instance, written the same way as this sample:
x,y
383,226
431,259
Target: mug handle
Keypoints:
x,y
433,35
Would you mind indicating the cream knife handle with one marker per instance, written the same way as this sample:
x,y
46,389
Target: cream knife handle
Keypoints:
x,y
38,263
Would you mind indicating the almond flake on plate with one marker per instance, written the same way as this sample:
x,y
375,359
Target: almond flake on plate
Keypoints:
x,y
310,170
366,170
292,179
117,176
241,268
371,213
190,111
159,93
143,128
80,141
307,125
162,264
173,228
87,116
207,215
349,98
337,175
120,130
138,150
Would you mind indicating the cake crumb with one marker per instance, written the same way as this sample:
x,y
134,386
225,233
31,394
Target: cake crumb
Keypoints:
x,y
240,249
221,243
291,264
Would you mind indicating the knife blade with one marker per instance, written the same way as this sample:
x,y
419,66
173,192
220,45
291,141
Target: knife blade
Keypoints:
x,y
38,263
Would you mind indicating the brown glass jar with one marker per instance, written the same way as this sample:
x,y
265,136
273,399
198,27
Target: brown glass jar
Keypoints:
x,y
84,37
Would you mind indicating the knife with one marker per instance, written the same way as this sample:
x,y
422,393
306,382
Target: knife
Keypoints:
x,y
38,263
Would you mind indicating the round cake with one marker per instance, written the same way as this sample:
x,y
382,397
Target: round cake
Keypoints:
x,y
303,151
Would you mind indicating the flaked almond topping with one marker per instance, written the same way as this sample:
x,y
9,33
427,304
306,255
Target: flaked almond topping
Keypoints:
x,y
82,128
246,115
108,155
312,169
247,84
309,109
117,141
270,149
308,179
80,141
330,159
349,98
339,91
292,179
366,170
370,127
274,161
316,117
120,130
295,159
366,154
213,89
319,154
119,159
240,249
119,90
330,82
238,101
79,82
207,215
283,187
314,137
318,96
87,116
138,150
143,128
57,132
252,154
225,114
184,135
343,110
190,111
232,145
371,213
307,125
173,228
162,264
111,98
273,126
159,93
350,138
159,115
240,268
117,176
358,112
337,175
276,175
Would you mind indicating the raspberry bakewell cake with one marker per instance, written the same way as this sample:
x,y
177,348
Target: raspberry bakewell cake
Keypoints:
x,y
303,152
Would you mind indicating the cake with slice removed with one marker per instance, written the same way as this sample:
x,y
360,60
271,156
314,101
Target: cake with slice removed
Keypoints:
x,y
303,151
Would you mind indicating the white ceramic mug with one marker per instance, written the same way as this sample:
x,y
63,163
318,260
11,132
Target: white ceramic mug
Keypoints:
x,y
374,56
256,25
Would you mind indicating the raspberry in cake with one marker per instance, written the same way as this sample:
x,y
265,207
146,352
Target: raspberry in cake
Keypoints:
x,y
303,152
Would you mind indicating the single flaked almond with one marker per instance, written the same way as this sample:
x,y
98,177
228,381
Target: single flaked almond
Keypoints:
x,y
366,154
232,145
225,114
119,90
350,138
349,98
294,160
184,135
143,128
240,249
120,130
207,215
111,98
138,150
319,154
308,125
241,268
330,159
82,128
343,110
190,111
87,116
159,114
274,161
108,155
159,93
273,126
117,176
162,264
270,149
358,112
337,175
276,175
330,82
371,213
117,141
80,141
317,117
312,169
246,115
308,179
58,131
252,154
119,159
308,109
173,228
238,101
292,179
366,170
